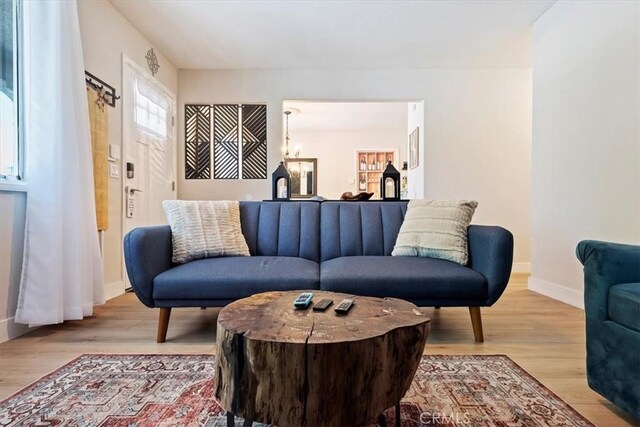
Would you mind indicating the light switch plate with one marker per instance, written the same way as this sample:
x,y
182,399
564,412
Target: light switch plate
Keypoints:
x,y
114,152
114,171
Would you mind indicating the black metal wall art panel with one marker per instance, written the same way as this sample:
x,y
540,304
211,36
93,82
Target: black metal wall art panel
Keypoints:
x,y
220,125
197,141
198,160
225,142
254,141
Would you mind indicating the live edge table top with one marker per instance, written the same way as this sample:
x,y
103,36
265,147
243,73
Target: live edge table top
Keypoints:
x,y
271,316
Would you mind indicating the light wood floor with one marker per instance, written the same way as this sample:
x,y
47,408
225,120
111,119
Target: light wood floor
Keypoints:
x,y
542,335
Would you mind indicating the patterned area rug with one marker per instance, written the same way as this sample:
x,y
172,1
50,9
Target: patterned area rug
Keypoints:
x,y
177,390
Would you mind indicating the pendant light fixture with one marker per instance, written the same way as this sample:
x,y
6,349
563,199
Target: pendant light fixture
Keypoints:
x,y
286,136
296,154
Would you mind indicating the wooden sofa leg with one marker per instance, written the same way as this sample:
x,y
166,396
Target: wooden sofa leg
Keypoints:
x,y
163,323
476,322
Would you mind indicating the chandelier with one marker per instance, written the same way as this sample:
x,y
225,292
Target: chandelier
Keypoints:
x,y
286,138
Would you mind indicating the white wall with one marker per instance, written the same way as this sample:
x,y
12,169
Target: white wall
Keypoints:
x,y
336,154
12,218
477,129
415,176
106,35
586,137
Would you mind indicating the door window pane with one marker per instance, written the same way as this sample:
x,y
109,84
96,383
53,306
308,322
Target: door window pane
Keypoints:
x,y
149,115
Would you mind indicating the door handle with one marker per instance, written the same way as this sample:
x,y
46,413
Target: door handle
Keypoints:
x,y
132,190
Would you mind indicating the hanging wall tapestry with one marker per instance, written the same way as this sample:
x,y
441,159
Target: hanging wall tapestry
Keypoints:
x,y
98,120
239,151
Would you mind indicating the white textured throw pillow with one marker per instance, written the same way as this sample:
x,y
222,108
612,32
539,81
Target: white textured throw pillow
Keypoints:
x,y
205,229
436,229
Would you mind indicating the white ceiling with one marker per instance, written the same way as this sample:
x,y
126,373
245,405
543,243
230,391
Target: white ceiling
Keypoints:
x,y
347,116
312,34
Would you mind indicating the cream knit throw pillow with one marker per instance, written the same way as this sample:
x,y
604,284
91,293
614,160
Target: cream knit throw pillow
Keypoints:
x,y
205,229
436,229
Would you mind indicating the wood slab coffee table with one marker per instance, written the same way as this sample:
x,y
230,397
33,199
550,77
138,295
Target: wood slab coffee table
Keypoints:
x,y
287,367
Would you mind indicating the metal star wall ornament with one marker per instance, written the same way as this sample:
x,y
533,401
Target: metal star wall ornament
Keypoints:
x,y
152,61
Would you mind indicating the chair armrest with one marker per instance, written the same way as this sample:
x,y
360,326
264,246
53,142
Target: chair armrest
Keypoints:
x,y
491,254
147,253
606,264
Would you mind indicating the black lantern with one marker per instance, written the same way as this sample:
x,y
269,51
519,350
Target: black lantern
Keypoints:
x,y
390,183
281,183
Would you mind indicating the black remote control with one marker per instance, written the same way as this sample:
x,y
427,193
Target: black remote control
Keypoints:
x,y
344,306
322,305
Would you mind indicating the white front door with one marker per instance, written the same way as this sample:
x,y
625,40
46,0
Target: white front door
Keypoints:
x,y
149,148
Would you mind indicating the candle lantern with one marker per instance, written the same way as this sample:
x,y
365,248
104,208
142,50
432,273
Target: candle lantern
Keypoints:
x,y
390,183
281,183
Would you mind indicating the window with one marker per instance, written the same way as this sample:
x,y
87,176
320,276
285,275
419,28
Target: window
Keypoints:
x,y
151,110
10,154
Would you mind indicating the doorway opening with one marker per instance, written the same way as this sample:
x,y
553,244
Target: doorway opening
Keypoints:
x,y
335,147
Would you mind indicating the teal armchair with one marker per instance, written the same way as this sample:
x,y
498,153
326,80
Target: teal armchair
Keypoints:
x,y
612,308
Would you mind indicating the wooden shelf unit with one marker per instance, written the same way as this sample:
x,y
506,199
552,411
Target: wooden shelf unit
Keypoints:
x,y
368,174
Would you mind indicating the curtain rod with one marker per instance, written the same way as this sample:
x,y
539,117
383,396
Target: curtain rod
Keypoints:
x,y
105,90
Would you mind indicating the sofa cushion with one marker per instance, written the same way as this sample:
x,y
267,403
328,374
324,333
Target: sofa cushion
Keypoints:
x,y
289,229
436,229
359,228
402,277
205,229
624,305
235,277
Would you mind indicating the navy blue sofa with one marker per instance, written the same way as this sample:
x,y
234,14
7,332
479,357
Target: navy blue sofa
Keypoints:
x,y
334,246
612,311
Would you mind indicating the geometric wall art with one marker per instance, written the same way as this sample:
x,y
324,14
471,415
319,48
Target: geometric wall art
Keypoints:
x,y
225,141
254,142
231,139
197,141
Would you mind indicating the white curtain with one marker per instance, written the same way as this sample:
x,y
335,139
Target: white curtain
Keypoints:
x,y
62,270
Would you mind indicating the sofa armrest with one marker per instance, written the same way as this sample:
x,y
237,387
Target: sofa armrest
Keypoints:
x,y
147,253
491,253
606,264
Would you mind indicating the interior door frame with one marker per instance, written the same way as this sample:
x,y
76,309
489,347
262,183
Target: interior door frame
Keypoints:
x,y
128,62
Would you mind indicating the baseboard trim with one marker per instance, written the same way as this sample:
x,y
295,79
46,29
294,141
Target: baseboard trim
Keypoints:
x,y
521,267
557,292
113,290
9,329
